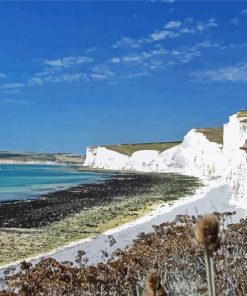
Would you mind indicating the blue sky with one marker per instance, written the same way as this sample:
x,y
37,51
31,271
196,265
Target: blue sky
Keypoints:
x,y
74,74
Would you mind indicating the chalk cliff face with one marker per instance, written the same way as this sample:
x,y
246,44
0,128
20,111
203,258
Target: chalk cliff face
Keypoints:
x,y
100,157
235,136
196,155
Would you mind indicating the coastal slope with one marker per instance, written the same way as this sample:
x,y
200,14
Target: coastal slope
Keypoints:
x,y
9,157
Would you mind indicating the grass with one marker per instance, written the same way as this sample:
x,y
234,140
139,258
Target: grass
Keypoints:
x,y
212,134
18,244
129,149
242,113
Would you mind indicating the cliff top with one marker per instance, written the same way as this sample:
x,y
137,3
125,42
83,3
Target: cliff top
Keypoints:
x,y
129,149
212,134
242,113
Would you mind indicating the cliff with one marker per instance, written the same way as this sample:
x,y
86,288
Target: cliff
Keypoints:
x,y
235,157
196,155
213,152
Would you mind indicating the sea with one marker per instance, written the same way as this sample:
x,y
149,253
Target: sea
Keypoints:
x,y
21,182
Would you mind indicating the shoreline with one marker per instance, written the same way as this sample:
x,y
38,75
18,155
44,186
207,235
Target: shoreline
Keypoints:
x,y
70,217
159,210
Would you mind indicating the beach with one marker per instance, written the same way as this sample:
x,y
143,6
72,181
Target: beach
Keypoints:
x,y
33,228
214,196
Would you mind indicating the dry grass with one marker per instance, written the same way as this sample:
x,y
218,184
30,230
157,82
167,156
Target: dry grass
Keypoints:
x,y
242,113
129,149
212,134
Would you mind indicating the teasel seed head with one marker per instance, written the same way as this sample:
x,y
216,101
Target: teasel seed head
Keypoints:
x,y
206,232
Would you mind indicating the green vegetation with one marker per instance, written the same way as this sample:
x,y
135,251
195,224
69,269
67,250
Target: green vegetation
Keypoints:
x,y
129,149
212,134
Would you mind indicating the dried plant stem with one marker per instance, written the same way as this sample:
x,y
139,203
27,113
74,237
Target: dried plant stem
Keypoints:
x,y
210,272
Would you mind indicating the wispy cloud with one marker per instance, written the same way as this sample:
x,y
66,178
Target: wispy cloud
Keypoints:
x,y
14,101
13,85
35,81
67,62
236,73
235,21
244,12
172,29
128,42
66,77
173,25
161,35
101,72
2,75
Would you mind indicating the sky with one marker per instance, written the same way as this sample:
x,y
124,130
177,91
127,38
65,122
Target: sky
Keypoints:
x,y
77,74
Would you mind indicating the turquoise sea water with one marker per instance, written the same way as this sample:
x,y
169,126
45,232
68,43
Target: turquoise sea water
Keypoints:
x,y
18,182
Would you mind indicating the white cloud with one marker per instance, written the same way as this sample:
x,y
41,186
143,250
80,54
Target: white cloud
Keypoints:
x,y
173,25
67,62
187,30
14,101
115,60
101,72
160,35
144,55
35,81
132,58
190,26
13,85
136,75
67,77
128,42
91,49
235,21
185,56
236,73
2,75
98,76
244,12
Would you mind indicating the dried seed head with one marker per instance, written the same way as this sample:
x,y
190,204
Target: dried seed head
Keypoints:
x,y
153,286
206,231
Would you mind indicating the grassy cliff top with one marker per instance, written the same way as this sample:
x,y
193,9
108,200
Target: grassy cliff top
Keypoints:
x,y
129,149
242,113
212,134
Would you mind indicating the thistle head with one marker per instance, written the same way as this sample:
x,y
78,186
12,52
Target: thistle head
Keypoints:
x,y
206,231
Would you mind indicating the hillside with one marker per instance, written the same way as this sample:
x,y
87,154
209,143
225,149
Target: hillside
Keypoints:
x,y
39,158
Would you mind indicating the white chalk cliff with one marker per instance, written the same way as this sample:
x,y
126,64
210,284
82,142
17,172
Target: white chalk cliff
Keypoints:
x,y
196,155
235,158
